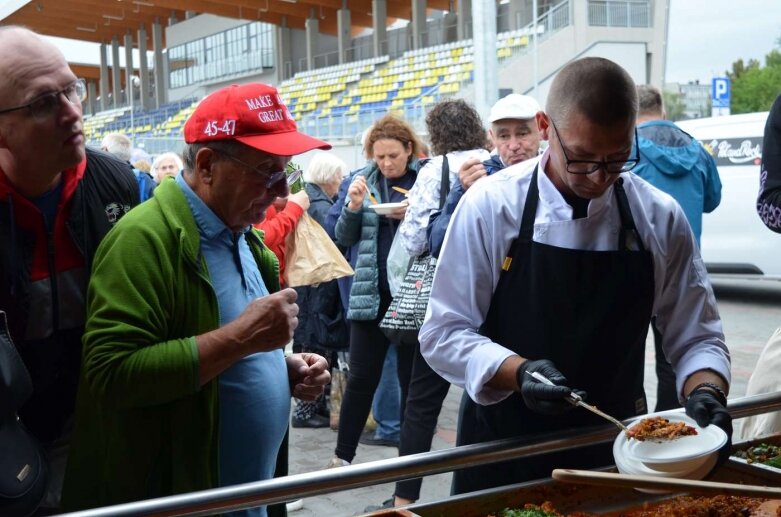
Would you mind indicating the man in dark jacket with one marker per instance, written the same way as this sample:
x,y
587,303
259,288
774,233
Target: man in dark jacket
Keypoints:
x,y
57,201
673,161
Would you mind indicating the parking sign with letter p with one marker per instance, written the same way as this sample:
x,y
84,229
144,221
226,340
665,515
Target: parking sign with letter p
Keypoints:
x,y
720,91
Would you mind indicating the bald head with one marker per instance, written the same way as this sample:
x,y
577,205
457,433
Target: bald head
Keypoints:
x,y
40,112
596,88
21,45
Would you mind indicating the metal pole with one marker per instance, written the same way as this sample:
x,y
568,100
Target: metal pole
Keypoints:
x,y
132,120
534,50
278,490
484,37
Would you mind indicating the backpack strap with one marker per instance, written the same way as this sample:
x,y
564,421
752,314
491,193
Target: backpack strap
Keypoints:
x,y
444,186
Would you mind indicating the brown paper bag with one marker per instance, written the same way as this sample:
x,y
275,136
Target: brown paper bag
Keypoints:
x,y
311,257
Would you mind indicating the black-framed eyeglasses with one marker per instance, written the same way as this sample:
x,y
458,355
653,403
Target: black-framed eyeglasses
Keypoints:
x,y
272,179
48,103
591,166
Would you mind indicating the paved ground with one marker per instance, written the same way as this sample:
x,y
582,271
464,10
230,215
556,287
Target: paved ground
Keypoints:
x,y
311,449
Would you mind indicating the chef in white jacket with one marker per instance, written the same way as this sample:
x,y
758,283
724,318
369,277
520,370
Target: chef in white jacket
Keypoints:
x,y
556,265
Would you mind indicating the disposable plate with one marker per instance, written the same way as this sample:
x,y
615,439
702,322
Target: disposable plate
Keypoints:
x,y
386,208
679,450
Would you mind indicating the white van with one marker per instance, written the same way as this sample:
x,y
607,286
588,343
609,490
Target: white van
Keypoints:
x,y
734,240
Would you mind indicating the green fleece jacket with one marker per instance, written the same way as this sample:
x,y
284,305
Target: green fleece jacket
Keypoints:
x,y
144,426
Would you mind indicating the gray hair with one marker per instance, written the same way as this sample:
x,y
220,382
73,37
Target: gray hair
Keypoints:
x,y
227,147
119,145
324,168
230,147
167,156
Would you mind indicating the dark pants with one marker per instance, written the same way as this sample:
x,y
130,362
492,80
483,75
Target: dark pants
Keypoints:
x,y
368,346
427,391
666,394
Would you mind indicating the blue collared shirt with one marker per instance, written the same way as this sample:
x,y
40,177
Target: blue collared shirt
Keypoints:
x,y
254,392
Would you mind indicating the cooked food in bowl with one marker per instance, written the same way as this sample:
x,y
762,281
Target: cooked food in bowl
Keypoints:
x,y
659,429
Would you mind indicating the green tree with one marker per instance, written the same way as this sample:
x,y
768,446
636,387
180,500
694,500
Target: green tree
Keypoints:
x,y
754,87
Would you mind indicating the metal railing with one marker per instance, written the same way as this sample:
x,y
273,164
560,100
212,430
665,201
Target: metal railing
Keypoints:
x,y
366,474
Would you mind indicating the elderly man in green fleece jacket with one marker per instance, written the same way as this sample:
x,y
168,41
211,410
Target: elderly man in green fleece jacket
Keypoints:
x,y
184,384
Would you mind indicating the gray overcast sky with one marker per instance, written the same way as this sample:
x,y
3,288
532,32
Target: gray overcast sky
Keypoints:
x,y
705,36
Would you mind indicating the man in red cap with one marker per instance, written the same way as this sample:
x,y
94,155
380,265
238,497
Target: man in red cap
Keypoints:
x,y
185,385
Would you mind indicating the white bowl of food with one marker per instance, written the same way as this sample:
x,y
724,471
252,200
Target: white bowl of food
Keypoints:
x,y
672,443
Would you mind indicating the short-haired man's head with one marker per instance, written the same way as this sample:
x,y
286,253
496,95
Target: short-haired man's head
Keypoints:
x,y
325,169
514,132
650,101
595,88
119,145
391,127
454,125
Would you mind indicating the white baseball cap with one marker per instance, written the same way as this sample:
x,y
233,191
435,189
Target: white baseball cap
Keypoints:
x,y
514,106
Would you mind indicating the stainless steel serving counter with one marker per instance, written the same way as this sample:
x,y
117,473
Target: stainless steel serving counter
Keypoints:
x,y
365,474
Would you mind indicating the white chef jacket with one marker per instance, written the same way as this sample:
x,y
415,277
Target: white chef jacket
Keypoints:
x,y
483,227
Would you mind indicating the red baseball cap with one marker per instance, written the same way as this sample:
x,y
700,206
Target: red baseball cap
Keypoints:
x,y
252,114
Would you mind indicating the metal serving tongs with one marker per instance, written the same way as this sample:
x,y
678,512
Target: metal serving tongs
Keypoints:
x,y
576,400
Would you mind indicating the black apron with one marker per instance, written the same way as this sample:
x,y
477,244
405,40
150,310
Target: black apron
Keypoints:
x,y
588,312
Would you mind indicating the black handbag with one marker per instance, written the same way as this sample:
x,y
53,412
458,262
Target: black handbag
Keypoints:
x,y
406,312
23,470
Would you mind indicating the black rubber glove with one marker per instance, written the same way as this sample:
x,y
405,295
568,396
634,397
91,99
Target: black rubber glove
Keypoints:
x,y
706,408
543,398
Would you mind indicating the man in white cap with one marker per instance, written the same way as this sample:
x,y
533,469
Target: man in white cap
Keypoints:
x,y
185,385
515,137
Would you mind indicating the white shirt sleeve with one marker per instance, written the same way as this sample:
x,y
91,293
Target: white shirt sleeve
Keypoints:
x,y
468,271
487,221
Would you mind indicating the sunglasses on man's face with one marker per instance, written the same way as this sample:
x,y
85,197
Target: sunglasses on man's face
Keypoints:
x,y
273,178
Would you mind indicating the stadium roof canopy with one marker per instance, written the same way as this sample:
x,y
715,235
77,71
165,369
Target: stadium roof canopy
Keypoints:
x,y
100,20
